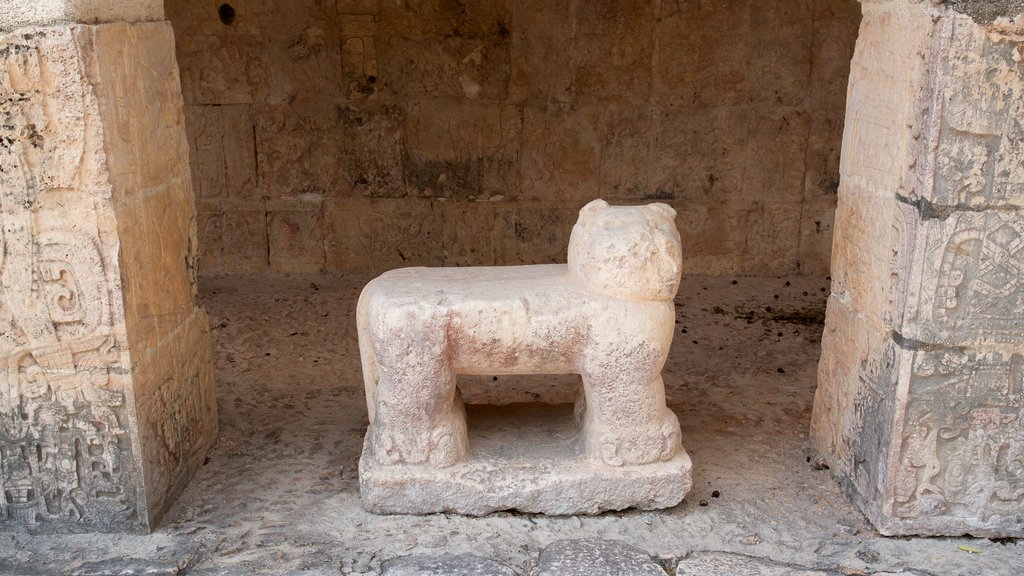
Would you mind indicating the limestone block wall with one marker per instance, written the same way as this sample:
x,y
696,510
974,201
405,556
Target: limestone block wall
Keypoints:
x,y
361,135
106,394
921,382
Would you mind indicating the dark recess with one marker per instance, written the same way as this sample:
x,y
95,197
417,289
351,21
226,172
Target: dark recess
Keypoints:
x,y
226,13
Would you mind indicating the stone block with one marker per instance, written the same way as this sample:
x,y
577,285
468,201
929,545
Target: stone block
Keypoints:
x,y
773,239
726,564
239,145
560,153
723,54
461,565
461,149
177,410
98,279
833,41
372,150
348,232
625,152
966,280
817,220
220,68
594,557
848,10
871,241
614,40
16,14
978,170
780,42
824,144
246,246
676,72
699,157
298,146
607,315
359,61
206,146
296,239
852,422
541,52
157,232
920,436
777,152
529,233
444,49
405,232
467,233
714,235
919,402
301,53
324,149
210,234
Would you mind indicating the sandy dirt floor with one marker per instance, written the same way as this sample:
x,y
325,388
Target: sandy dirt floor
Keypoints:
x,y
279,492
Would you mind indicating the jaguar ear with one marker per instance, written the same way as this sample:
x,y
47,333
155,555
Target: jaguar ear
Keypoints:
x,y
593,207
664,209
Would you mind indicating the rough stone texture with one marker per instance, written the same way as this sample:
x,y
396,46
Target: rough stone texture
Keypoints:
x,y
107,402
293,415
919,406
20,13
731,111
987,11
722,564
595,557
712,564
607,315
461,565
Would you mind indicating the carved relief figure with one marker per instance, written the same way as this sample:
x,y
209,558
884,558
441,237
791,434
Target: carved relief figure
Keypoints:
x,y
607,315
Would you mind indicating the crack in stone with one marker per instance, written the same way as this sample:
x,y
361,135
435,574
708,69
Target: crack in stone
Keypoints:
x,y
931,211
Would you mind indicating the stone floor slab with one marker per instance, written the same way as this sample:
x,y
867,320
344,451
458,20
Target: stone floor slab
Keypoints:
x,y
461,565
595,557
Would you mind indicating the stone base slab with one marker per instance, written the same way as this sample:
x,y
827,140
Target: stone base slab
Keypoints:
x,y
523,457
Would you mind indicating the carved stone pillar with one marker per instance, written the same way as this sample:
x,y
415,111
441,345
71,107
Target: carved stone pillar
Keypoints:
x,y
107,401
921,381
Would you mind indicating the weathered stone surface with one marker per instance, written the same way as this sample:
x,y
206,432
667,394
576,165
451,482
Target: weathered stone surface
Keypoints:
x,y
986,11
468,233
532,233
773,238
520,101
16,13
245,243
918,403
461,565
724,564
405,232
128,567
607,315
348,226
595,558
108,408
295,231
462,150
223,150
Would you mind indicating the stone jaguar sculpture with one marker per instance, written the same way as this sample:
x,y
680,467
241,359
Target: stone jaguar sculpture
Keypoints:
x,y
607,315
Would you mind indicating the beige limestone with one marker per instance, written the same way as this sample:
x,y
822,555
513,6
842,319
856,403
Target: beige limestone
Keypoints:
x,y
107,388
607,315
732,107
919,406
20,13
